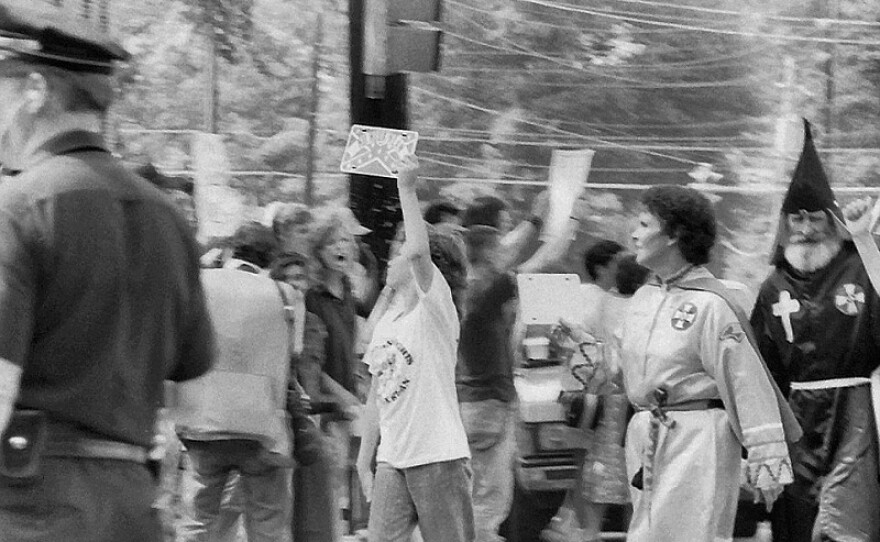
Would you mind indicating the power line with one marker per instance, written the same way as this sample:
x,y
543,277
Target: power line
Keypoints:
x,y
702,63
548,127
577,139
523,51
576,9
813,20
740,82
573,65
544,166
566,25
477,132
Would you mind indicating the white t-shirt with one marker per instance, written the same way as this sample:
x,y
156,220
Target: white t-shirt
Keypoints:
x,y
412,358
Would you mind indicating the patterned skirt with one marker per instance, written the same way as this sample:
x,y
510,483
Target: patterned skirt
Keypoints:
x,y
604,473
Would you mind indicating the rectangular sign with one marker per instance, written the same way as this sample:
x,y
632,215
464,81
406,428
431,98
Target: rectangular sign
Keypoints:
x,y
568,176
377,151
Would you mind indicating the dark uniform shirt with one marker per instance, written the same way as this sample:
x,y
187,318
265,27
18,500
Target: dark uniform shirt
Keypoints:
x,y
485,356
100,299
339,315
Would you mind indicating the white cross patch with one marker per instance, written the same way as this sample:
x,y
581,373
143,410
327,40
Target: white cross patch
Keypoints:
x,y
684,316
849,299
784,309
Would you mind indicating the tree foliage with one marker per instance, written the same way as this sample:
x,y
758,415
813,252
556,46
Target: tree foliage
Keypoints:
x,y
702,89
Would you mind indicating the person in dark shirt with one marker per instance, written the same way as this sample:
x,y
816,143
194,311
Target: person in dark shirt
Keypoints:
x,y
484,373
100,298
330,297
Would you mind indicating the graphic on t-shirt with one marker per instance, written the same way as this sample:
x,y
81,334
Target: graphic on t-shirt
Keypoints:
x,y
389,362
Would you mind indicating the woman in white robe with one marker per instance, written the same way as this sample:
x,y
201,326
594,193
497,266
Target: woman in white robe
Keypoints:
x,y
700,389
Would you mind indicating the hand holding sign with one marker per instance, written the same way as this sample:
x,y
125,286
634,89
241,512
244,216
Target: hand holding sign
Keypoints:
x,y
377,151
408,172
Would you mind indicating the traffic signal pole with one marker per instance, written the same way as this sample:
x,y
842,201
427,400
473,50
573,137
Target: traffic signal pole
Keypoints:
x,y
374,200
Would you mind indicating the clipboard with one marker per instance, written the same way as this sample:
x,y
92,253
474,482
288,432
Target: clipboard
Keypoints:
x,y
544,298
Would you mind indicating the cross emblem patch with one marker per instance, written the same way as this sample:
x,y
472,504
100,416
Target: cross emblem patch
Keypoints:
x,y
784,308
849,299
684,316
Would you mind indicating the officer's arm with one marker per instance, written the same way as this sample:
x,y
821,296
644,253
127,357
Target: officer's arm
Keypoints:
x,y
18,274
10,377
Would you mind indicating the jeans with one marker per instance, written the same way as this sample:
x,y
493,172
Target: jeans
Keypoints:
x,y
81,500
491,430
265,490
436,497
315,510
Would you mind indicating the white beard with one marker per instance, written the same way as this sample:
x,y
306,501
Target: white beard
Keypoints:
x,y
809,257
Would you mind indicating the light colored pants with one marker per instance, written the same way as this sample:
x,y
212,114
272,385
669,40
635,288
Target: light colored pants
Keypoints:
x,y
491,429
265,491
436,497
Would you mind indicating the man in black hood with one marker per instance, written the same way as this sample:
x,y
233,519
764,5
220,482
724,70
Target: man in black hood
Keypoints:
x,y
817,321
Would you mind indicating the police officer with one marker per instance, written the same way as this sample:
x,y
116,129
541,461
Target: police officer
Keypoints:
x,y
100,299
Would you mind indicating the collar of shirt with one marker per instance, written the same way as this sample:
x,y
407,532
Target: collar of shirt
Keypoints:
x,y
66,143
322,289
241,265
688,272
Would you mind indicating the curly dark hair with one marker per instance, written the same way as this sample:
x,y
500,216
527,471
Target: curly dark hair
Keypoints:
x,y
600,254
484,211
687,216
449,255
254,243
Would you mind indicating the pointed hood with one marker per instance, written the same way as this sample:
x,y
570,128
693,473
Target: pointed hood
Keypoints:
x,y
809,191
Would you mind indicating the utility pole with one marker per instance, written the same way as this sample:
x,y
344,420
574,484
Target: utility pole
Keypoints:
x,y
313,109
374,200
211,88
830,65
388,38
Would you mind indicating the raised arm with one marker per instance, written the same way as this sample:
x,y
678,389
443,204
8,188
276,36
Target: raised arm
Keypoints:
x,y
861,218
513,245
416,247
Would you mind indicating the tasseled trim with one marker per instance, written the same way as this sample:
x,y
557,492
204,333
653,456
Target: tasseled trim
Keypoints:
x,y
769,472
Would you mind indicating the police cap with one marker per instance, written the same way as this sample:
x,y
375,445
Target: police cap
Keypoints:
x,y
57,36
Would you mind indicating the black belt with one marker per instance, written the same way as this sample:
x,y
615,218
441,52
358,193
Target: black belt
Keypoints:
x,y
697,404
96,449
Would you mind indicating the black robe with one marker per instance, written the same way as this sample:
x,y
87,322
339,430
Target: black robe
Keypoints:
x,y
835,326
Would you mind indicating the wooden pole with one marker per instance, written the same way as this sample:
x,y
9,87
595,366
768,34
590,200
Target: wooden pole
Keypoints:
x,y
374,200
313,110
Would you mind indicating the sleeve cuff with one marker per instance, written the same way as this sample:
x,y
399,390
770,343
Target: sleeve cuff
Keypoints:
x,y
768,465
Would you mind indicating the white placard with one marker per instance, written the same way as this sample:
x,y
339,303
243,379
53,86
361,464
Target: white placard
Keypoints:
x,y
568,176
544,298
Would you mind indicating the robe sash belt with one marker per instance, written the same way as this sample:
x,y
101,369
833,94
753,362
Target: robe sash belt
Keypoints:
x,y
831,383
644,478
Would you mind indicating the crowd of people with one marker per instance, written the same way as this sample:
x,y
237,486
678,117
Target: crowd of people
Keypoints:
x,y
280,382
